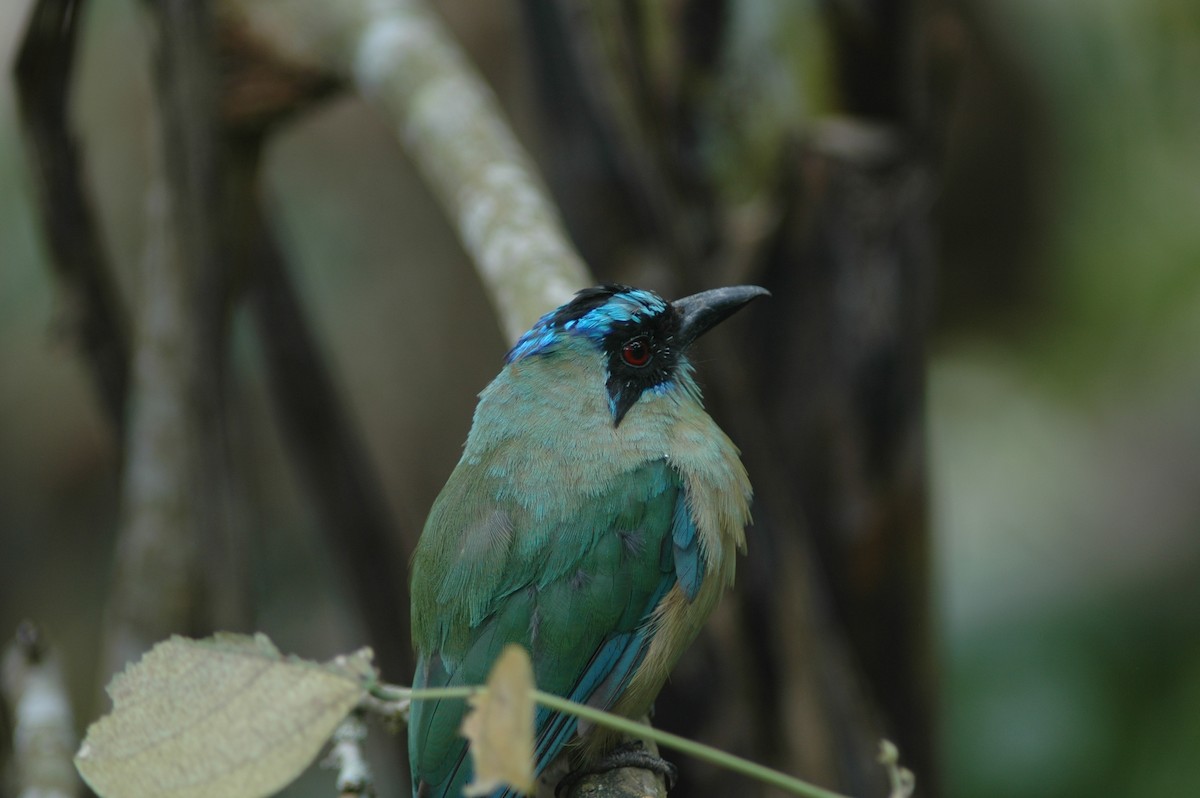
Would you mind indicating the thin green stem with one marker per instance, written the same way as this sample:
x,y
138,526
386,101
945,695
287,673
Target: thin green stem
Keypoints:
x,y
602,718
391,692
690,747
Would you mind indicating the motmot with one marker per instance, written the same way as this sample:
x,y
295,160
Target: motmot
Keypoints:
x,y
594,518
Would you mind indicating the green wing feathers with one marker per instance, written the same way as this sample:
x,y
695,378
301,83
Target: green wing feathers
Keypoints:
x,y
576,590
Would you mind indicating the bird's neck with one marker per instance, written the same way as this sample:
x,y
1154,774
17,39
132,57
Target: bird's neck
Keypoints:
x,y
557,404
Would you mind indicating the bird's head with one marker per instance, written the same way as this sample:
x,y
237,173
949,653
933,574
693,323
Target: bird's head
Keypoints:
x,y
642,338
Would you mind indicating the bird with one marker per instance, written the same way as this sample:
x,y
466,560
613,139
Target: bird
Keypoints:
x,y
594,518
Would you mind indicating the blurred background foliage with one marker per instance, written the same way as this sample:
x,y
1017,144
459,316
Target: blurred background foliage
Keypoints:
x,y
1064,376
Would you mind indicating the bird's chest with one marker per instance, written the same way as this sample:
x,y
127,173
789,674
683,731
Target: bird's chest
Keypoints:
x,y
545,440
565,442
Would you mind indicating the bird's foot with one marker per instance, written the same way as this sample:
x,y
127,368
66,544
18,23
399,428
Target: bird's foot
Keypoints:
x,y
632,754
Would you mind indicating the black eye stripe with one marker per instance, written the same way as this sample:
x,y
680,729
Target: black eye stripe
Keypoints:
x,y
629,379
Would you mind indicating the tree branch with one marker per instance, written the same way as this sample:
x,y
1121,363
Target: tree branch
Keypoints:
x,y
401,57
261,88
179,567
42,75
155,588
575,44
43,725
354,774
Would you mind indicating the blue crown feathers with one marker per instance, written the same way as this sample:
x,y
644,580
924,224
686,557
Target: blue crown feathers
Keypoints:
x,y
593,313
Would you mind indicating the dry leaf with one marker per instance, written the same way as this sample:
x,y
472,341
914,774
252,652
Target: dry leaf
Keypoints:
x,y
499,727
225,716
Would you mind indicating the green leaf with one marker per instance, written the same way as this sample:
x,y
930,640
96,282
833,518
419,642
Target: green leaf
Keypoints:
x,y
226,716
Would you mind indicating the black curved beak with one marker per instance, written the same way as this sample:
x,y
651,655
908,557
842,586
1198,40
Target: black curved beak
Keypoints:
x,y
699,313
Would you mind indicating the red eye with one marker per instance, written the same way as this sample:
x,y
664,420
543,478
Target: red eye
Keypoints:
x,y
636,352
